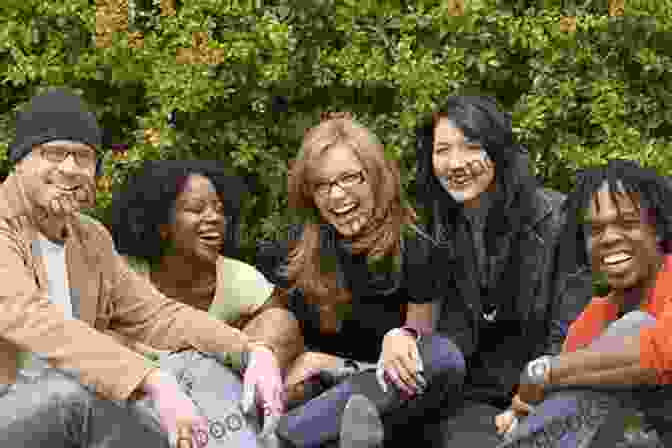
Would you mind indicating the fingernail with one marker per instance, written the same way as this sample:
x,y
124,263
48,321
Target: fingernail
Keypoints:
x,y
406,394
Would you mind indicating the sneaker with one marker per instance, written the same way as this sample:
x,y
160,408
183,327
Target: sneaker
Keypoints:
x,y
361,426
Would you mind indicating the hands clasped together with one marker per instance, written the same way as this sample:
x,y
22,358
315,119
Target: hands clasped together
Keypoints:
x,y
263,394
400,363
534,377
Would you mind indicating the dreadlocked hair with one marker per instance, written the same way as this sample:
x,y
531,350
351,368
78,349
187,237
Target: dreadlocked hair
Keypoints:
x,y
654,193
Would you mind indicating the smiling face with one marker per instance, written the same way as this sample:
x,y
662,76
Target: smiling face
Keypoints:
x,y
621,240
199,224
342,193
461,166
59,172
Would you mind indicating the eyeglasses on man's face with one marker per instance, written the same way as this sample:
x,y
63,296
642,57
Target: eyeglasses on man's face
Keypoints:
x,y
345,182
84,158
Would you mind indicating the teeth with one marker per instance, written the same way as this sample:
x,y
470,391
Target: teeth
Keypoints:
x,y
616,258
345,209
211,237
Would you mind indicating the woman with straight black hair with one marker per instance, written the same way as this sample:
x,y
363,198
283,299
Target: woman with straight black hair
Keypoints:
x,y
503,301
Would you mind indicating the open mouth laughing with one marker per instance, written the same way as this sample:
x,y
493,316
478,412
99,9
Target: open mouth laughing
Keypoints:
x,y
344,211
211,239
616,262
461,181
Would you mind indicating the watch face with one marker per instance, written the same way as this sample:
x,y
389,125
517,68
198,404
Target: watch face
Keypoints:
x,y
537,369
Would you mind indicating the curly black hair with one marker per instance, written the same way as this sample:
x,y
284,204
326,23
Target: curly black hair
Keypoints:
x,y
654,191
147,200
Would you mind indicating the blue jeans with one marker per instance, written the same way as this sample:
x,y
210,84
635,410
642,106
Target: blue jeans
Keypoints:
x,y
54,410
583,418
318,421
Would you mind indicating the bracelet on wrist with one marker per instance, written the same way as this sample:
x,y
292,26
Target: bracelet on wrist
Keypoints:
x,y
412,331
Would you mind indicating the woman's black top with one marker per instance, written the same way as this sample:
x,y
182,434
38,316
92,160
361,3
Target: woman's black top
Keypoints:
x,y
379,294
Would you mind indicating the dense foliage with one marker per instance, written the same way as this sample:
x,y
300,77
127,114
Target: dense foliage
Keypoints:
x,y
240,81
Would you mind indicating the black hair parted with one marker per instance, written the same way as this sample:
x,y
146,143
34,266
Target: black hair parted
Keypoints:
x,y
481,120
654,193
147,200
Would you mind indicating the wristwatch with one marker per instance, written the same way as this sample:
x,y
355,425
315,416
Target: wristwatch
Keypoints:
x,y
536,371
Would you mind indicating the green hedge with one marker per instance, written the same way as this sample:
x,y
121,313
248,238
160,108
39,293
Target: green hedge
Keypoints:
x,y
582,86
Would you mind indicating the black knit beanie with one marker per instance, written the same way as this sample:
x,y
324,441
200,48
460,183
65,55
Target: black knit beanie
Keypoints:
x,y
55,115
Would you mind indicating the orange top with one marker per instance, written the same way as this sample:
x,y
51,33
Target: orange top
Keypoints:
x,y
655,342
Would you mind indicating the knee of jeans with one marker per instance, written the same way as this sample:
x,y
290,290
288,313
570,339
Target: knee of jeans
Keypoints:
x,y
66,391
445,359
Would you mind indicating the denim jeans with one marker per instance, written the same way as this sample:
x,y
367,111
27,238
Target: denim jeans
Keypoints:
x,y
53,410
593,418
318,421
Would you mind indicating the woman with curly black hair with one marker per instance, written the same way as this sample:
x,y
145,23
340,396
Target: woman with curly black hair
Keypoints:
x,y
177,223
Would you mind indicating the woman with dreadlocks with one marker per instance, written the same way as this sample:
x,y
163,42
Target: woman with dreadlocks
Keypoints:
x,y
617,354
503,301
351,271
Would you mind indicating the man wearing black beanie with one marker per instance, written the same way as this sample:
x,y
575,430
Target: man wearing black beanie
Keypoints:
x,y
55,125
64,295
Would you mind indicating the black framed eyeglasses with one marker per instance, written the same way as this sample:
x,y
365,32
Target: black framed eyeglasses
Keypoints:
x,y
83,159
345,182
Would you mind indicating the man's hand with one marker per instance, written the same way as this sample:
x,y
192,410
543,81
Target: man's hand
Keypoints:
x,y
178,415
535,376
507,420
531,393
400,361
263,386
520,408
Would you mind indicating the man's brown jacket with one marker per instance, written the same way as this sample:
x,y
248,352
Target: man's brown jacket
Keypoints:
x,y
107,298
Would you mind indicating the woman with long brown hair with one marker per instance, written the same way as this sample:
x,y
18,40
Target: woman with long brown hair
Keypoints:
x,y
354,288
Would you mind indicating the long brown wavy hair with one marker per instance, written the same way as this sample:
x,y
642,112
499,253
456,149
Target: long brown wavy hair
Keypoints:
x,y
379,238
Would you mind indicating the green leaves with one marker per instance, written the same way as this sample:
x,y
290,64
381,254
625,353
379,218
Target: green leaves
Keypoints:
x,y
582,87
